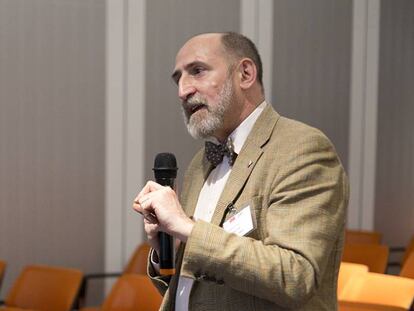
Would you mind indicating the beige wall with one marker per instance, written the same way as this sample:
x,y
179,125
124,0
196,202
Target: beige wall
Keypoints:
x,y
52,139
394,213
311,65
169,24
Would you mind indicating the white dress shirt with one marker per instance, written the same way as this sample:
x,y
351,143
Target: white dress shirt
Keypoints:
x,y
210,194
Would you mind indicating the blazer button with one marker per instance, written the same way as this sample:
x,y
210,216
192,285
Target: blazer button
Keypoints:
x,y
220,282
200,277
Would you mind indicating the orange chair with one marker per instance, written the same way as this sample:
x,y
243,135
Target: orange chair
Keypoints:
x,y
375,291
372,255
405,253
409,249
407,270
362,237
137,264
131,292
44,288
359,306
346,271
2,269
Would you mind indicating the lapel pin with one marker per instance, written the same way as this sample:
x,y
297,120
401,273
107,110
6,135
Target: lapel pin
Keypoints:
x,y
250,163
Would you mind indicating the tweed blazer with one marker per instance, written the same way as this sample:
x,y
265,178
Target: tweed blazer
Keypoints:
x,y
290,176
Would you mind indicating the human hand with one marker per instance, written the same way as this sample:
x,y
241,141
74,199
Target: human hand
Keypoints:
x,y
162,212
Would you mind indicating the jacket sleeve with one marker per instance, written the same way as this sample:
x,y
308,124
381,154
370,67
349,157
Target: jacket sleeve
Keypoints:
x,y
302,217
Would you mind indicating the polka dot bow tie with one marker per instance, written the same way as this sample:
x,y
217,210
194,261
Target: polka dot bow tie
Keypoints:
x,y
216,152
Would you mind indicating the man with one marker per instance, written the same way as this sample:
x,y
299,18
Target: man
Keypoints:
x,y
263,228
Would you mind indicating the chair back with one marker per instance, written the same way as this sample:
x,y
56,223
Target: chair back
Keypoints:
x,y
2,269
362,237
379,289
409,249
133,292
346,271
138,262
373,255
45,288
407,269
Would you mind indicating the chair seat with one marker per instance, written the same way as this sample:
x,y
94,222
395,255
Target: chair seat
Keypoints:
x,y
346,271
378,292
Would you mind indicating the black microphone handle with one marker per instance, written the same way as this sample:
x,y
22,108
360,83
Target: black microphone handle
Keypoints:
x,y
166,254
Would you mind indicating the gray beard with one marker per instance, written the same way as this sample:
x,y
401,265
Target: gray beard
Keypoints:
x,y
201,127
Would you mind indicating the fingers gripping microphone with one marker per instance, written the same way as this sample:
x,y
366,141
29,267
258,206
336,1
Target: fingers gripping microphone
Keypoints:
x,y
165,172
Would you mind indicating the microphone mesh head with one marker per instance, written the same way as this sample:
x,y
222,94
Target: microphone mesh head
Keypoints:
x,y
165,165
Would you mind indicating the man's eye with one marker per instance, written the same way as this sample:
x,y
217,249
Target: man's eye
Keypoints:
x,y
198,70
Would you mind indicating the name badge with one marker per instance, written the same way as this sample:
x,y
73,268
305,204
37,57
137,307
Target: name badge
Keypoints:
x,y
240,223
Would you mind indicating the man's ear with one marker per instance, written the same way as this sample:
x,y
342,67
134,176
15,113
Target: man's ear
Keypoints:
x,y
247,72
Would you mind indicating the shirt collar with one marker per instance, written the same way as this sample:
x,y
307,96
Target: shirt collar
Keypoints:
x,y
239,135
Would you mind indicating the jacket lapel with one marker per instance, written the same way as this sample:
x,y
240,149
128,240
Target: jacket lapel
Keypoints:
x,y
246,160
196,176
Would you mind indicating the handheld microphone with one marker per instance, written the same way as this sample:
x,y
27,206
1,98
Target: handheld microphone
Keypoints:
x,y
165,172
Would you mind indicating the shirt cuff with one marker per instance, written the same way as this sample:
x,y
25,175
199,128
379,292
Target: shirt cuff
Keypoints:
x,y
154,263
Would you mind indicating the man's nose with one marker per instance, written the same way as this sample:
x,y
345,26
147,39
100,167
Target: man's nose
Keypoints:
x,y
185,88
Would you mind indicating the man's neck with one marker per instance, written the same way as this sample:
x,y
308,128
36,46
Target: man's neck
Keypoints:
x,y
222,135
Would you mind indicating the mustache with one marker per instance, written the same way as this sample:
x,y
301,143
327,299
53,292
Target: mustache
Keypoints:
x,y
192,102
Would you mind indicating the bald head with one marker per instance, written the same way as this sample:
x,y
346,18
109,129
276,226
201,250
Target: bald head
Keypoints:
x,y
200,48
235,46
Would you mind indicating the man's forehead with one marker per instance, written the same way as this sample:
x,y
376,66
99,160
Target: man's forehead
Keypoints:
x,y
199,47
205,37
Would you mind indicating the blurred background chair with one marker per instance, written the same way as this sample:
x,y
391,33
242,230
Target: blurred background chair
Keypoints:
x,y
407,269
137,264
399,256
408,250
378,292
138,261
405,250
360,306
346,271
362,237
374,256
2,269
44,288
131,292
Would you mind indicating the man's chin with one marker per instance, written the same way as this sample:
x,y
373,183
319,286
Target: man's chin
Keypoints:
x,y
202,131
198,132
